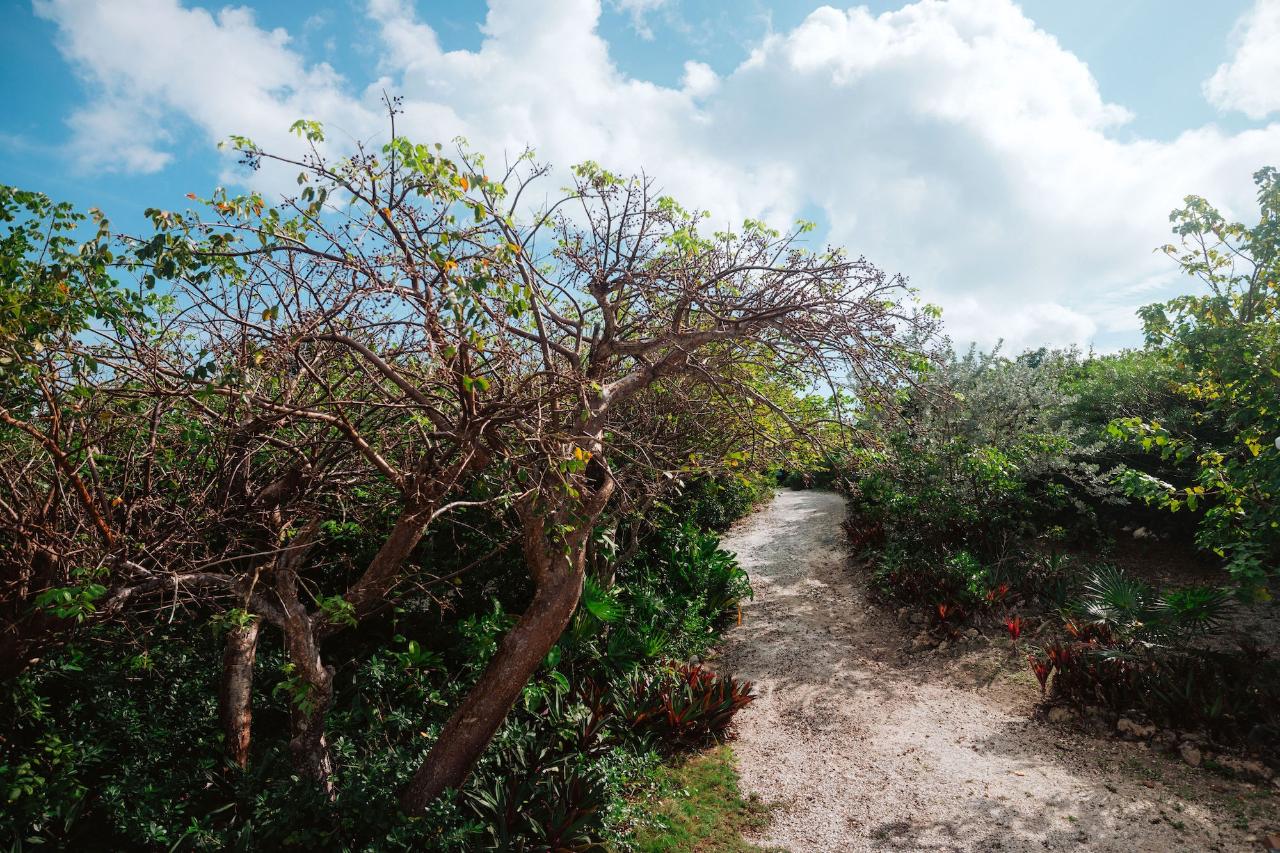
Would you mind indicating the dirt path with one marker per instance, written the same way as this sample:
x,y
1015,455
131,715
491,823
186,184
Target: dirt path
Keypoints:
x,y
863,747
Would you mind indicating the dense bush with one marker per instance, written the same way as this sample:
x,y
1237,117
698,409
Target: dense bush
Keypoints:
x,y
1128,650
1224,345
820,478
980,479
713,503
114,742
982,453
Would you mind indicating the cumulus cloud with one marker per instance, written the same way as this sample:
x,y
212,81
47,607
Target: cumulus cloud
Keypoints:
x,y
118,135
699,79
1250,81
151,64
954,142
1019,327
639,10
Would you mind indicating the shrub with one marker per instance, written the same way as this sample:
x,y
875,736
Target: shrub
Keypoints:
x,y
958,579
985,451
687,704
698,569
815,478
674,597
115,744
1126,650
1130,613
714,503
1224,345
974,480
541,795
1230,696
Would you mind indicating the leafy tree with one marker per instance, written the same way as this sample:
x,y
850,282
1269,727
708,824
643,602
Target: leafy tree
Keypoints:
x,y
1225,346
403,340
984,450
61,519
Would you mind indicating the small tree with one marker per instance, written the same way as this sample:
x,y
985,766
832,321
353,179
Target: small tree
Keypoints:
x,y
405,324
627,296
1225,345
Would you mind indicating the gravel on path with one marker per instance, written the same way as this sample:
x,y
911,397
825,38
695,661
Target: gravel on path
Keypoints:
x,y
860,746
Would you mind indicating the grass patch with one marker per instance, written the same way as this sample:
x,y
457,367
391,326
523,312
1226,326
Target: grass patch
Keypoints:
x,y
702,809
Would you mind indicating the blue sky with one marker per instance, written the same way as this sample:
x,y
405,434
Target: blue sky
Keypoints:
x,y
1017,161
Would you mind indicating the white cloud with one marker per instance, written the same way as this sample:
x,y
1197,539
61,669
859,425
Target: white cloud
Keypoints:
x,y
699,80
118,135
152,63
1250,82
639,10
1020,327
952,141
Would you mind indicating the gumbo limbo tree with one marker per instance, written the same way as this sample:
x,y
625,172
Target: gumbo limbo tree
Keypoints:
x,y
109,492
409,336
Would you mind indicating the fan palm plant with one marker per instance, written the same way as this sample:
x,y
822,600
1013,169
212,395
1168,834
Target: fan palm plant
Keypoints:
x,y
1133,613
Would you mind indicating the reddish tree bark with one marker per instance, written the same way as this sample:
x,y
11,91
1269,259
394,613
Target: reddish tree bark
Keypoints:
x,y
557,566
235,698
311,692
521,652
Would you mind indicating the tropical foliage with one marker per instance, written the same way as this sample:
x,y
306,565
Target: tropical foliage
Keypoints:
x,y
1225,343
381,517
997,490
386,516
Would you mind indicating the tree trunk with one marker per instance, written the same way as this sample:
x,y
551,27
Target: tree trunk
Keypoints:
x,y
311,694
307,713
311,691
235,697
557,564
310,698
370,592
519,655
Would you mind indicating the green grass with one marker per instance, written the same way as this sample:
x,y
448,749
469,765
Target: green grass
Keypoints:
x,y
702,809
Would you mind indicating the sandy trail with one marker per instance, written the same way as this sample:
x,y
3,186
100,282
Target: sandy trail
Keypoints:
x,y
861,747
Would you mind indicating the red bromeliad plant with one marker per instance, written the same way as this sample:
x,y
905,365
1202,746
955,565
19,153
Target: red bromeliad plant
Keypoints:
x,y
689,704
1060,655
595,696
1041,668
1088,632
948,613
1014,626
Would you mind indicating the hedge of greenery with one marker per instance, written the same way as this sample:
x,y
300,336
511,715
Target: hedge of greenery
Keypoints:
x,y
113,741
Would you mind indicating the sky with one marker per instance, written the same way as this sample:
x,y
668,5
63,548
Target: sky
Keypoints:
x,y
1016,161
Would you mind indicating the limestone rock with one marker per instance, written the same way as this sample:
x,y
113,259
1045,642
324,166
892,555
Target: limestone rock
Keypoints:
x,y
1060,714
1127,728
1246,767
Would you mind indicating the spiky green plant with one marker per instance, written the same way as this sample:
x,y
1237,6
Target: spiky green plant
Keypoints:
x,y
1133,613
